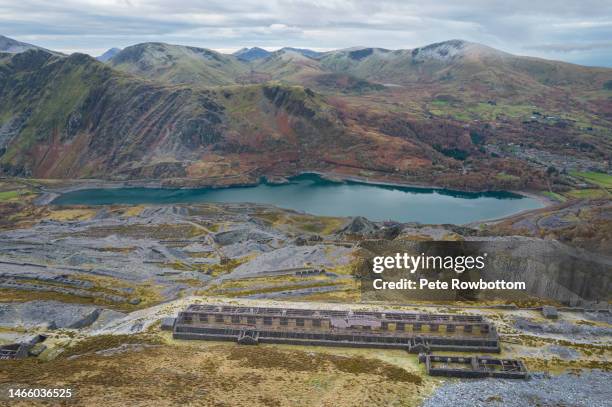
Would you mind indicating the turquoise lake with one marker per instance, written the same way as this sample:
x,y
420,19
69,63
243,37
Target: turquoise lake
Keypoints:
x,y
312,194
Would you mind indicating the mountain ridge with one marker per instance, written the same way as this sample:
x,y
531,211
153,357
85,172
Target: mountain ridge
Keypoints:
x,y
443,114
178,63
457,60
12,46
108,54
251,54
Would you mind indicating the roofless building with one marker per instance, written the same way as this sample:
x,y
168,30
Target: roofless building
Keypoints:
x,y
415,332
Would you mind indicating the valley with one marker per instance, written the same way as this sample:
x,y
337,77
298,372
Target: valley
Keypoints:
x,y
454,114
159,176
98,280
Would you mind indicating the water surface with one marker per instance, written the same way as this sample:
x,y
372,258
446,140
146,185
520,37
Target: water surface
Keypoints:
x,y
312,194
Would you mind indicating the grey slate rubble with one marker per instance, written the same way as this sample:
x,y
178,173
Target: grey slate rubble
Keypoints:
x,y
50,314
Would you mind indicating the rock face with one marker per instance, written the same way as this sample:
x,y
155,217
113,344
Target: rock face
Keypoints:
x,y
100,113
549,269
112,126
292,257
50,314
581,223
243,235
359,226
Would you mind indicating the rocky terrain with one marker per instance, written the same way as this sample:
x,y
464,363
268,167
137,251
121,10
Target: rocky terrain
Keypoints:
x,y
565,389
132,257
98,280
585,224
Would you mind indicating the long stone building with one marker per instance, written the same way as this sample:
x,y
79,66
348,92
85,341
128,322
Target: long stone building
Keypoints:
x,y
414,332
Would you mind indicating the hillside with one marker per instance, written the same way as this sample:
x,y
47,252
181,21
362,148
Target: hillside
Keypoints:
x,y
458,80
453,114
251,54
288,65
12,46
178,64
108,54
455,62
113,125
586,224
72,117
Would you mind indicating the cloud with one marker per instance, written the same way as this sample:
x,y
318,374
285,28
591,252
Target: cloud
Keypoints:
x,y
517,26
571,47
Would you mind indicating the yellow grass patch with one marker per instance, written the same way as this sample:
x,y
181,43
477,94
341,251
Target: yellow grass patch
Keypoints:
x,y
133,211
71,214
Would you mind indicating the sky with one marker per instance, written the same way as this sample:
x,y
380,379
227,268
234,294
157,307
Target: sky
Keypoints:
x,y
573,31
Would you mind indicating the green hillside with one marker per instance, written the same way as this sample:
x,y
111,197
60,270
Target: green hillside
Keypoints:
x,y
452,114
179,64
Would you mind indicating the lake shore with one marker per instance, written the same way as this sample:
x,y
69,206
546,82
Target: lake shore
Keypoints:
x,y
313,193
49,193
333,177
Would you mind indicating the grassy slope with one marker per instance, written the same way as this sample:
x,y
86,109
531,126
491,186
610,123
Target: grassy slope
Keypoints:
x,y
475,75
288,66
179,64
91,121
40,88
81,118
603,180
146,129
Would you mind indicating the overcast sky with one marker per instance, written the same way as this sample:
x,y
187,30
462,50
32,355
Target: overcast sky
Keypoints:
x,y
574,31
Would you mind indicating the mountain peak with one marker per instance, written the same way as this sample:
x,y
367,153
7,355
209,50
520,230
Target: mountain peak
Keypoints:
x,y
152,52
178,63
303,51
13,46
108,54
251,54
454,49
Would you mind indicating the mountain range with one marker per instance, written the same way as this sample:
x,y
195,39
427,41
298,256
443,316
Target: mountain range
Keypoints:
x,y
11,46
454,114
108,54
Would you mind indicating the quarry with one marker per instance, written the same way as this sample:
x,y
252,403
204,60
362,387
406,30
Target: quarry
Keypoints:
x,y
403,224
218,300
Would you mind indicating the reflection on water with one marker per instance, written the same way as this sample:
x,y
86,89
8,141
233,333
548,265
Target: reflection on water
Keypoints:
x,y
310,193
